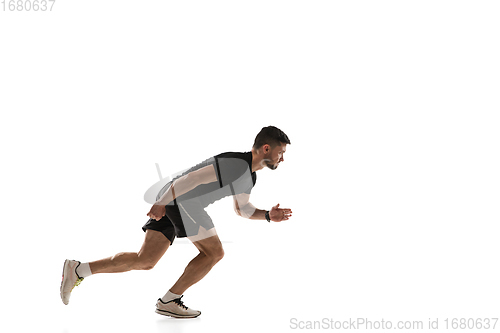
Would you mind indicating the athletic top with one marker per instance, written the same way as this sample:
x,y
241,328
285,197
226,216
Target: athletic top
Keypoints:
x,y
234,176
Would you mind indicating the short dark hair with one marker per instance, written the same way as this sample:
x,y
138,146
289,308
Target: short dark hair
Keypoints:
x,y
272,136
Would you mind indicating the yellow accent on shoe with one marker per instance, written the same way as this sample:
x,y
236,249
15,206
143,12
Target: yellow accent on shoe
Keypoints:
x,y
77,283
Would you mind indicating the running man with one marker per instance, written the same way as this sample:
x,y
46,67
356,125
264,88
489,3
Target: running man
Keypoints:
x,y
179,212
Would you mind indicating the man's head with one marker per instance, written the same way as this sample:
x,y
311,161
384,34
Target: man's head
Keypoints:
x,y
271,143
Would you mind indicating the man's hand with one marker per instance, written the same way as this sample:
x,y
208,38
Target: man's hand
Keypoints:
x,y
279,214
157,212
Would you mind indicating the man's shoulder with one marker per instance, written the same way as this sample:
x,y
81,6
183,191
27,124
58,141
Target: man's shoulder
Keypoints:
x,y
232,154
234,161
235,157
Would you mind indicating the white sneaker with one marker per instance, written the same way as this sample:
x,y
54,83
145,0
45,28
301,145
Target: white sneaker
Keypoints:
x,y
70,279
175,308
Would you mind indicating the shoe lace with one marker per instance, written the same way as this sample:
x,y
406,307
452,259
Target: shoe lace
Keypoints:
x,y
180,303
77,283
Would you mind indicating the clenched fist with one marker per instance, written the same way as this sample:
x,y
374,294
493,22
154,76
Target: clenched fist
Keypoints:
x,y
157,212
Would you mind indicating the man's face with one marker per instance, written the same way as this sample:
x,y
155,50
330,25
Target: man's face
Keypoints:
x,y
275,156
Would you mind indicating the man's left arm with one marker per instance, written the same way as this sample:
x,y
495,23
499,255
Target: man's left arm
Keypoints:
x,y
244,208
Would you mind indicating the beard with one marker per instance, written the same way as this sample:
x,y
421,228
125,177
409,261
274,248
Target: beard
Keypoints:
x,y
272,166
267,163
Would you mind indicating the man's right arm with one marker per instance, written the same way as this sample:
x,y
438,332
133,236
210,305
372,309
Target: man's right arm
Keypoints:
x,y
180,186
188,182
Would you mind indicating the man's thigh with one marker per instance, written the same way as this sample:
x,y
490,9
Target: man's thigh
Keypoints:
x,y
154,247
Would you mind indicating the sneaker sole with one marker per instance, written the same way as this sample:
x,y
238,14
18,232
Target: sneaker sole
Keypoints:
x,y
64,274
174,315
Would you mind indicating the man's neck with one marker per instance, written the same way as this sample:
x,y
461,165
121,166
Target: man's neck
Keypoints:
x,y
256,161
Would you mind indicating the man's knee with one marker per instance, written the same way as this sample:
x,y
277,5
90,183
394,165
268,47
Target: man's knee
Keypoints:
x,y
211,247
144,264
216,253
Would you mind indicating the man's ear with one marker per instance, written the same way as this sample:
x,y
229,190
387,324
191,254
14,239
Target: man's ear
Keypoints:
x,y
266,148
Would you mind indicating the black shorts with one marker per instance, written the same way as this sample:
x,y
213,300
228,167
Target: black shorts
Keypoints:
x,y
183,219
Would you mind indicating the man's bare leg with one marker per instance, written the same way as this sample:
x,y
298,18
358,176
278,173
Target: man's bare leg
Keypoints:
x,y
211,252
154,247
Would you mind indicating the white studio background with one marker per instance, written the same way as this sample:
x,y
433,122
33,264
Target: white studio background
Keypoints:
x,y
392,109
